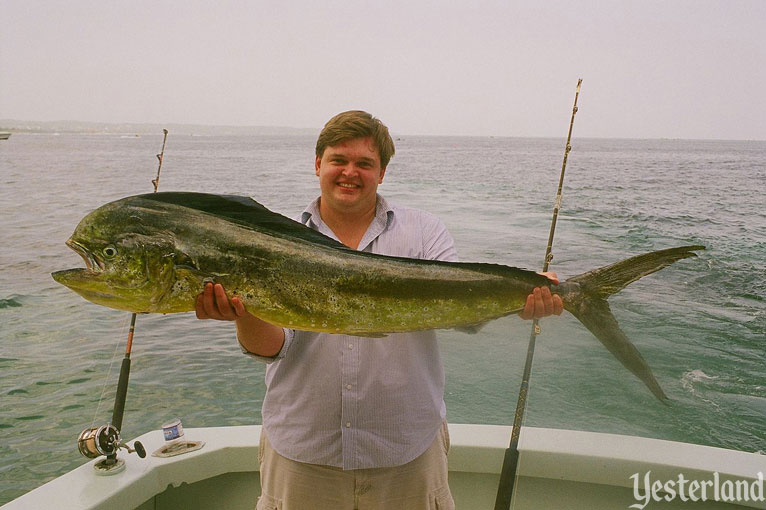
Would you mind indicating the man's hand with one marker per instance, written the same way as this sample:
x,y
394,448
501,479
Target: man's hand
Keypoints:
x,y
254,335
541,303
214,304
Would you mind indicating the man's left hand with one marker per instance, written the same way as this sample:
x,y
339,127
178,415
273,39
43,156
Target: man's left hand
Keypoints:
x,y
541,303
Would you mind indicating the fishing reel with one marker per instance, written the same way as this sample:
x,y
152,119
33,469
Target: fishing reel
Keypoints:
x,y
94,442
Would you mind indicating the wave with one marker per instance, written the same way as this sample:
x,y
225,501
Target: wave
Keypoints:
x,y
693,378
12,301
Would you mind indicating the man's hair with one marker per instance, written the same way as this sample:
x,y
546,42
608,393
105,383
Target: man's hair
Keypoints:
x,y
356,124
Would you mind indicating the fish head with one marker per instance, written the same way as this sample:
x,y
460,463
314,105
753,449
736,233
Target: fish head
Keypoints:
x,y
129,259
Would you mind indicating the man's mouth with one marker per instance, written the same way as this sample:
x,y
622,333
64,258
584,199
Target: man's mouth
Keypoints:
x,y
92,263
348,185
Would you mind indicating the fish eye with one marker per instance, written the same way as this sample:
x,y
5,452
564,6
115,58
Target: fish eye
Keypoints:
x,y
110,251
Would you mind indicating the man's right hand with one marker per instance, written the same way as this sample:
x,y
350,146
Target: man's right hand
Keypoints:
x,y
213,303
254,334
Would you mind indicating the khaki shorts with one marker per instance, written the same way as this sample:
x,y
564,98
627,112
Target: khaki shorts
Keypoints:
x,y
418,485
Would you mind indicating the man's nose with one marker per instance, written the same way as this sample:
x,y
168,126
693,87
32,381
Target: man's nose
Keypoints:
x,y
349,170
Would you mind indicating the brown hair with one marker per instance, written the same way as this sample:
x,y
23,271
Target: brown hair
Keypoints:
x,y
356,124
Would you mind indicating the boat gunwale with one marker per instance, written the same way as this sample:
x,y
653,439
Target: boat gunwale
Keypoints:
x,y
555,454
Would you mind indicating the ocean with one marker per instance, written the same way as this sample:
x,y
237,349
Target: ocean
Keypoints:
x,y
700,324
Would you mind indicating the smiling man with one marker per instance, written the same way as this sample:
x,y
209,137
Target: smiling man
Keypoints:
x,y
350,422
349,172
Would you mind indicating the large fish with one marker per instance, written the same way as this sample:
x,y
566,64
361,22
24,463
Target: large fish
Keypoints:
x,y
153,253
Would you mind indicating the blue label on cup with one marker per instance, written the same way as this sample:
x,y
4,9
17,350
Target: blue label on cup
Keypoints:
x,y
173,430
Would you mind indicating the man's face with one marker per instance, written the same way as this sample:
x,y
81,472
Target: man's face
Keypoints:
x,y
349,174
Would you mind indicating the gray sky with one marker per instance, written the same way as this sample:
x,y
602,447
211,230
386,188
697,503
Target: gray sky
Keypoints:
x,y
677,69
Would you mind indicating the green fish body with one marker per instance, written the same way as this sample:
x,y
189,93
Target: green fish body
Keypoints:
x,y
153,254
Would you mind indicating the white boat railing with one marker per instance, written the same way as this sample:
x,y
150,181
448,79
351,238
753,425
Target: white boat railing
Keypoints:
x,y
557,467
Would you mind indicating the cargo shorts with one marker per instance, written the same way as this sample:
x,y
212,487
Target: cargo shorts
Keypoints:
x,y
418,485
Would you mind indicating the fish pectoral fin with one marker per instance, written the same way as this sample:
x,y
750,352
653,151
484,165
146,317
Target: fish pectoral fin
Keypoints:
x,y
371,335
182,260
193,275
471,329
184,270
186,267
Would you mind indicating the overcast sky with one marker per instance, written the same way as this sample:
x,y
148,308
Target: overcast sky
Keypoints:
x,y
676,69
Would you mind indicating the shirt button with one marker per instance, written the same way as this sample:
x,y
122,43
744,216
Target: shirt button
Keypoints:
x,y
348,386
350,346
348,424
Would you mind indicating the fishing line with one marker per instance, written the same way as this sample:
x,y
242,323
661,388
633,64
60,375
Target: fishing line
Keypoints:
x,y
109,370
122,384
509,470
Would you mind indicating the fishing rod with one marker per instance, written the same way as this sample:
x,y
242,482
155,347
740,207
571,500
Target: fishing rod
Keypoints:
x,y
122,384
160,156
511,459
105,440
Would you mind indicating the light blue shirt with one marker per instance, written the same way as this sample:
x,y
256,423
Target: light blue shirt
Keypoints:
x,y
354,402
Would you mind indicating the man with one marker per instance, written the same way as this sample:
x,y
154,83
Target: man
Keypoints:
x,y
353,422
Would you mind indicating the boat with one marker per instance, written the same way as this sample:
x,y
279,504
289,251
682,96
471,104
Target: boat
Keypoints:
x,y
557,469
4,135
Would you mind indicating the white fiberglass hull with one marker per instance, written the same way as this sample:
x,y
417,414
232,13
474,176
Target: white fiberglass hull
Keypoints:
x,y
558,468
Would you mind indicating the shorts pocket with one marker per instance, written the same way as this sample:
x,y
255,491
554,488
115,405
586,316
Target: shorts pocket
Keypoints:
x,y
266,502
441,499
261,445
444,433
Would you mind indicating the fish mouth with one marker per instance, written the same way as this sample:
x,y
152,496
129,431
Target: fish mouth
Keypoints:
x,y
92,264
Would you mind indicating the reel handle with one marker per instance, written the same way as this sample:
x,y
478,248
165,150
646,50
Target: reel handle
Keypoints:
x,y
138,448
105,440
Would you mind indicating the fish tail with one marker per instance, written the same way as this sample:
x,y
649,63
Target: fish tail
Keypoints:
x,y
587,302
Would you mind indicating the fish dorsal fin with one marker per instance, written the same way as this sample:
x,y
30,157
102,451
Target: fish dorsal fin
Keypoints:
x,y
244,211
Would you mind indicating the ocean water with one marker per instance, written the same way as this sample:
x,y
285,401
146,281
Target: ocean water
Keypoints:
x,y
701,323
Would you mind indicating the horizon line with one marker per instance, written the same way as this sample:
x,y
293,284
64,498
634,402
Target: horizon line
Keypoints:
x,y
11,125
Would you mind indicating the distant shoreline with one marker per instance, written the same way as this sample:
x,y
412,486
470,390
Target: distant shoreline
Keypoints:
x,y
126,128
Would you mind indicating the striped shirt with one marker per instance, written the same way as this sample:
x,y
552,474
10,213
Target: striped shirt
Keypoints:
x,y
352,402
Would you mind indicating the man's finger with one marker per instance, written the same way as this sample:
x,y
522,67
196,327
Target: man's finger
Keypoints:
x,y
239,308
221,301
529,307
547,301
539,304
199,308
207,302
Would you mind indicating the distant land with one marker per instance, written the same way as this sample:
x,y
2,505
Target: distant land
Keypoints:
x,y
73,126
128,128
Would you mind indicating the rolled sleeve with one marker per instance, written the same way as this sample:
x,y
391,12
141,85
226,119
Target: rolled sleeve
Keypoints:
x,y
289,336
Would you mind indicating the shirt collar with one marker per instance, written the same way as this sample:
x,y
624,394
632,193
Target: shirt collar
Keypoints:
x,y
384,216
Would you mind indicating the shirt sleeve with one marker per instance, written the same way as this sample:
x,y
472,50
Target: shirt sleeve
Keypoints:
x,y
438,243
289,336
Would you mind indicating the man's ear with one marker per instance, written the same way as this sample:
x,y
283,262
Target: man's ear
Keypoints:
x,y
317,162
382,174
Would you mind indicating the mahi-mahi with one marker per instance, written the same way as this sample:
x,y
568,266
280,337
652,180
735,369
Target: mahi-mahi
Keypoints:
x,y
153,253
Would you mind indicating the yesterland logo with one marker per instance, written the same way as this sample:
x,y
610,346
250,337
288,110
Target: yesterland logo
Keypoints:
x,y
695,490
